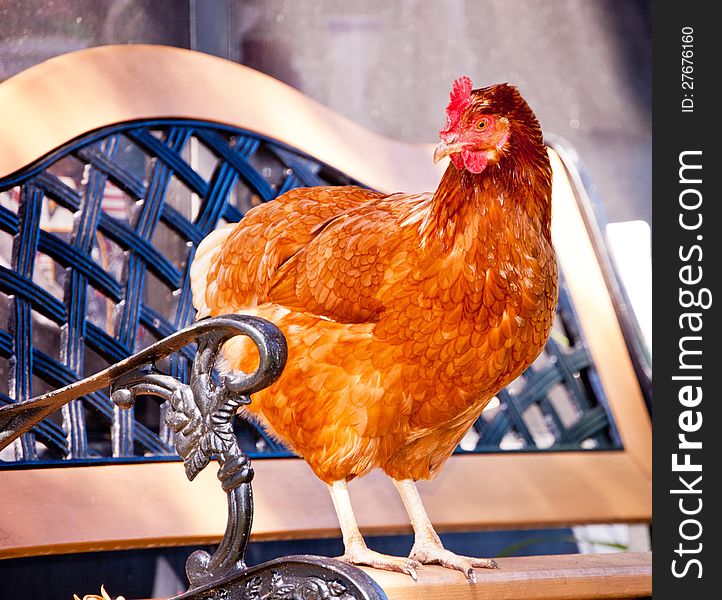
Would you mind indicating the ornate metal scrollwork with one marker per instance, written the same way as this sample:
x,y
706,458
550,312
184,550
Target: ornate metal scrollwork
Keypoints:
x,y
201,413
293,578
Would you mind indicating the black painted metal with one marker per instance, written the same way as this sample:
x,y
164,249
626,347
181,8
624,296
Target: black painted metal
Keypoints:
x,y
201,413
19,417
292,578
139,198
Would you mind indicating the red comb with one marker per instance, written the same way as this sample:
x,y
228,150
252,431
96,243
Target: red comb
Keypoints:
x,y
459,100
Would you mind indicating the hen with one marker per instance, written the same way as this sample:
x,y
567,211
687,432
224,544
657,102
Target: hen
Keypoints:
x,y
404,313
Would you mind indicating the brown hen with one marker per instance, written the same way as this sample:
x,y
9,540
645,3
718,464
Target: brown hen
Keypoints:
x,y
404,313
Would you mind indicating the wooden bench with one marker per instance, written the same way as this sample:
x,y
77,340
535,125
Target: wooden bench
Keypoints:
x,y
167,143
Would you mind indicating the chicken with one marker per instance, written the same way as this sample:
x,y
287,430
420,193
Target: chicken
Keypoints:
x,y
404,313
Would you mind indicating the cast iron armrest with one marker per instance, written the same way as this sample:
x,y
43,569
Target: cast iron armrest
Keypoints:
x,y
200,414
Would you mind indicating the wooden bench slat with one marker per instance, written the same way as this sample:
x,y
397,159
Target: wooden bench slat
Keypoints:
x,y
138,82
77,509
563,577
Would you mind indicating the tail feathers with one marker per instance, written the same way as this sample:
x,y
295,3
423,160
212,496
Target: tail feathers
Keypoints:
x,y
206,254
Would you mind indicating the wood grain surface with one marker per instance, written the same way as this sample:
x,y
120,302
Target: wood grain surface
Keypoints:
x,y
565,577
78,509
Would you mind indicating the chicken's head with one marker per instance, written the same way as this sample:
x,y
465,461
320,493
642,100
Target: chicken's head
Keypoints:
x,y
480,124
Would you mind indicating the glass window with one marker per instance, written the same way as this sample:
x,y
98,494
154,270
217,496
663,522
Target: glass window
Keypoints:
x,y
32,31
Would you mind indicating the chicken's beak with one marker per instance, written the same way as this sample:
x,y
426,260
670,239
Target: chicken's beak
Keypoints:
x,y
444,149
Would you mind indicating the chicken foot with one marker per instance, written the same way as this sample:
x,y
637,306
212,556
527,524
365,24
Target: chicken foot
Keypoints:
x,y
427,548
355,550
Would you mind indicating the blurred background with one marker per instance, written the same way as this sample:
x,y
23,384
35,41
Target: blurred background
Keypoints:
x,y
583,65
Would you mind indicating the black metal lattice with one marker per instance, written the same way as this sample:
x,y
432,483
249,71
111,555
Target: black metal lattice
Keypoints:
x,y
95,246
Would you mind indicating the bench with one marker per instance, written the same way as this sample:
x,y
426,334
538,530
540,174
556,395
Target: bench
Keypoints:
x,y
114,163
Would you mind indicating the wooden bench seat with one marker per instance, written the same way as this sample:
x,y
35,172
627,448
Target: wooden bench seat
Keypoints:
x,y
562,577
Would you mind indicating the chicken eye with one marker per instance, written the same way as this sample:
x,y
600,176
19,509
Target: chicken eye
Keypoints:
x,y
481,125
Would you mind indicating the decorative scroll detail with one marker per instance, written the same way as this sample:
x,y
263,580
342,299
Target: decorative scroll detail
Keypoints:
x,y
201,414
293,578
313,587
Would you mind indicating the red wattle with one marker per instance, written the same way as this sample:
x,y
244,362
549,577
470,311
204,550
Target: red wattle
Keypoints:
x,y
475,162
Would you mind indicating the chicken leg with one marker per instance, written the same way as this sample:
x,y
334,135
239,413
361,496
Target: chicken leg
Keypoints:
x,y
355,550
427,548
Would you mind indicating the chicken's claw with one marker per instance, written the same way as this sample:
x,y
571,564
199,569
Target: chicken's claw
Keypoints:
x,y
370,558
435,554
